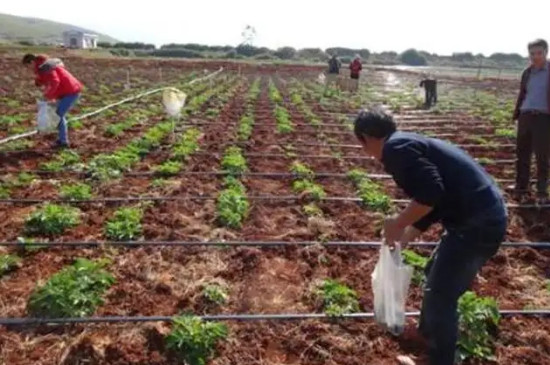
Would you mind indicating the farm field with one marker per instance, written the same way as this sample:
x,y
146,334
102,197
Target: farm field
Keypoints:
x,y
240,206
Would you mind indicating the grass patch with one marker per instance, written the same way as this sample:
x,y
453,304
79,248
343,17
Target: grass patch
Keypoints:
x,y
302,170
311,189
193,340
233,161
63,160
79,191
52,219
282,118
169,168
478,318
187,144
337,298
418,262
125,224
312,210
370,192
8,263
215,294
232,204
75,291
245,128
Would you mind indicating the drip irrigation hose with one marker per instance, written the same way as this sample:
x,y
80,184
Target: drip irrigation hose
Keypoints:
x,y
264,244
102,109
327,145
232,317
211,197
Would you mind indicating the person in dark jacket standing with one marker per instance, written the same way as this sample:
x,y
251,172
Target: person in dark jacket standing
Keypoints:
x,y
355,68
59,85
430,87
334,65
533,121
448,186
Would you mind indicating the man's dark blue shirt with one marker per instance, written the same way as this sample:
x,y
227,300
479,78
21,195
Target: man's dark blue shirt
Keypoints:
x,y
438,174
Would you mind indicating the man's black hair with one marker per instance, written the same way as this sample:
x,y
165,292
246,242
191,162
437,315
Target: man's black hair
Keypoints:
x,y
28,58
538,43
374,123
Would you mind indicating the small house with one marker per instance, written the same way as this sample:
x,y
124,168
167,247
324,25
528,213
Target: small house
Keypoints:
x,y
79,39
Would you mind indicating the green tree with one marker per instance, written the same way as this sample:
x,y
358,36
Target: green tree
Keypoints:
x,y
413,58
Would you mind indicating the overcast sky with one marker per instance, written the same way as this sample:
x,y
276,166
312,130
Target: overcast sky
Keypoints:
x,y
438,26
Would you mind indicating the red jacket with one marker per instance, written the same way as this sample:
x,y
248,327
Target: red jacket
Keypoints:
x,y
355,67
58,82
523,90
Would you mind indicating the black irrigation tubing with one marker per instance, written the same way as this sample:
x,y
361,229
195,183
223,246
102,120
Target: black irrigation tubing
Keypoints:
x,y
211,197
268,244
233,317
250,175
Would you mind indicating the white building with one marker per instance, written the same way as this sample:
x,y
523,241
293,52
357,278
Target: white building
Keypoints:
x,y
78,39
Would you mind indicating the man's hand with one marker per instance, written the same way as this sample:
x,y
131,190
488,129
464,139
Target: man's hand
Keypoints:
x,y
410,234
393,231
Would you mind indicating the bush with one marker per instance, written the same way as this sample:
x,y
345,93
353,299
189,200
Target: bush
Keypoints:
x,y
233,161
232,204
478,317
181,53
125,225
52,219
8,263
193,340
215,294
413,58
315,191
337,298
285,53
169,168
75,291
78,191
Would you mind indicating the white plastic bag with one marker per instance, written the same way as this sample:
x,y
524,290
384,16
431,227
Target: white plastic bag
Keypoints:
x,y
173,101
390,283
321,79
46,118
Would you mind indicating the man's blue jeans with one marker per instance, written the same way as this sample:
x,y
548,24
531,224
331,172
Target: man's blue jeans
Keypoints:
x,y
461,253
63,106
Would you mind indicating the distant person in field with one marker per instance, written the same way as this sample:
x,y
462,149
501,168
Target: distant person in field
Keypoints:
x,y
430,87
533,122
445,185
334,65
59,86
355,68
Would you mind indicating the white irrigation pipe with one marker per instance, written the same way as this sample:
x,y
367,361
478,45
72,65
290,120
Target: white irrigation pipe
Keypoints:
x,y
102,109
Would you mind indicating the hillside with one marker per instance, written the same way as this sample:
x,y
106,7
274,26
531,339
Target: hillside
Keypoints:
x,y
16,28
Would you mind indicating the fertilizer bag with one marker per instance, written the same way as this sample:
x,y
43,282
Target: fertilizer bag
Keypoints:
x,y
173,101
46,118
390,283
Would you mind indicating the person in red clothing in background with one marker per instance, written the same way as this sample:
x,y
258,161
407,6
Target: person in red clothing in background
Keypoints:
x,y
355,68
59,85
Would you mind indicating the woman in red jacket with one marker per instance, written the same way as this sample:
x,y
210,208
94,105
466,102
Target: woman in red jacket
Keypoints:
x,y
59,85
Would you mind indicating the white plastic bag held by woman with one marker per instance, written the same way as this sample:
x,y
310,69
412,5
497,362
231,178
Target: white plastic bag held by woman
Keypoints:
x,y
390,283
46,118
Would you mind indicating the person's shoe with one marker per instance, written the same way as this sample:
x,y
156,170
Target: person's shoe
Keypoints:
x,y
60,145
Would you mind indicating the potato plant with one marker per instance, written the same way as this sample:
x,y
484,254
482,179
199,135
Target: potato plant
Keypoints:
x,y
337,298
78,191
75,291
194,340
125,224
52,219
232,204
8,263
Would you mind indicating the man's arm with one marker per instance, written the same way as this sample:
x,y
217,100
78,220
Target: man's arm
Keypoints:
x,y
421,180
521,95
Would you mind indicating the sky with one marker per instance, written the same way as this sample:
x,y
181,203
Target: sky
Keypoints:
x,y
436,26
